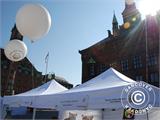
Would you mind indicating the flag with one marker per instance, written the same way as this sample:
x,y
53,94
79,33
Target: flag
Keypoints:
x,y
47,57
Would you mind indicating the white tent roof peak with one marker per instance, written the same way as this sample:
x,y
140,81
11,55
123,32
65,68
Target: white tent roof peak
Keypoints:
x,y
27,98
114,76
120,75
51,87
108,79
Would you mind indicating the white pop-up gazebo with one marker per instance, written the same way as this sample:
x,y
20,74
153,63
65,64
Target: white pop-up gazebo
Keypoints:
x,y
26,99
105,89
101,92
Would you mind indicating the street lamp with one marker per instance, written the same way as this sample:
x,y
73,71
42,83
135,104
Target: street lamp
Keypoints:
x,y
32,21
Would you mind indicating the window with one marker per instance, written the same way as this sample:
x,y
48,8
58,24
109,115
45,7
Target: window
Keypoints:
x,y
102,68
154,77
124,65
26,72
10,84
91,70
137,62
91,63
5,66
152,60
38,75
139,78
91,60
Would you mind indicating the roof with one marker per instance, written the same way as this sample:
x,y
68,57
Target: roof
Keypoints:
x,y
50,87
96,45
60,79
100,51
108,79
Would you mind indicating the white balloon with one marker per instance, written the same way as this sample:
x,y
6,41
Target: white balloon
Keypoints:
x,y
15,50
33,21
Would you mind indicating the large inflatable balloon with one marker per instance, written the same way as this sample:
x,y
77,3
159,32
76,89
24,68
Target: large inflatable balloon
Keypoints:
x,y
15,50
33,21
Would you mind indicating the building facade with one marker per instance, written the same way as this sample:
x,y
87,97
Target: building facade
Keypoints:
x,y
18,77
131,48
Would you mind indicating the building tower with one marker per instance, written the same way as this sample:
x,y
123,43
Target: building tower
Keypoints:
x,y
13,66
115,28
131,13
15,34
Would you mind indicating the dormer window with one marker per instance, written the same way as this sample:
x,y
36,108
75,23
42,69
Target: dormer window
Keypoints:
x,y
91,60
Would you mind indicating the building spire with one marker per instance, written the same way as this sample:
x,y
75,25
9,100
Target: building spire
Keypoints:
x,y
15,34
115,28
114,18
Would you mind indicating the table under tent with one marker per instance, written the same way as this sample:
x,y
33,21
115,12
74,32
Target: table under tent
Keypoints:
x,y
98,98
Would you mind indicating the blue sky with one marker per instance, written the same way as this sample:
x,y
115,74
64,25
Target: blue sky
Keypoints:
x,y
76,25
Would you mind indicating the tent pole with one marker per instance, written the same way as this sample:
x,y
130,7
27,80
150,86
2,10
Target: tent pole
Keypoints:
x,y
34,114
1,108
147,116
103,113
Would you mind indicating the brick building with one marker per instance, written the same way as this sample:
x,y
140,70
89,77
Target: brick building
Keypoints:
x,y
18,77
131,48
